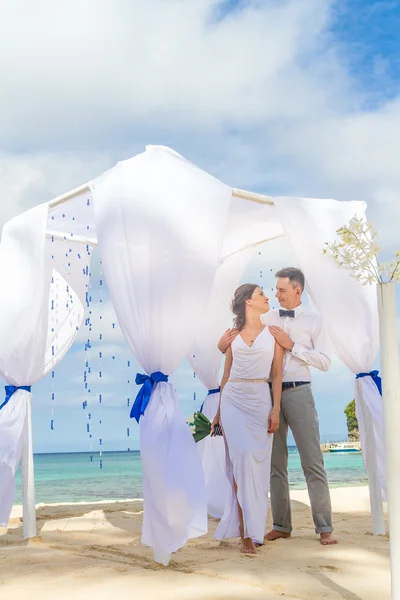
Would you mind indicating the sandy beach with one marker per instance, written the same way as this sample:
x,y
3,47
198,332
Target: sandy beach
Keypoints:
x,y
93,551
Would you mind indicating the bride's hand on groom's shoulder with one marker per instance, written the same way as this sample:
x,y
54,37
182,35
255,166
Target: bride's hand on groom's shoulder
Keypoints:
x,y
227,339
273,421
281,337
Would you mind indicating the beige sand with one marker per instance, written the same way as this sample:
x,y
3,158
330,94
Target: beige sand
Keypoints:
x,y
93,552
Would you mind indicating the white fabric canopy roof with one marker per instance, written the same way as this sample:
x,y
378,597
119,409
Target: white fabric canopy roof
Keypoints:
x,y
163,227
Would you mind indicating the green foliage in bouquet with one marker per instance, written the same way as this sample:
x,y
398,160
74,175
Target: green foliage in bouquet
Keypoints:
x,y
199,425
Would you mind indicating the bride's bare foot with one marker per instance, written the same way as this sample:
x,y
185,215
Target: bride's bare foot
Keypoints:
x,y
248,546
327,539
275,535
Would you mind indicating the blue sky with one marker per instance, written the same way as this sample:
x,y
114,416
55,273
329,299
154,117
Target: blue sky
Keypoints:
x,y
290,97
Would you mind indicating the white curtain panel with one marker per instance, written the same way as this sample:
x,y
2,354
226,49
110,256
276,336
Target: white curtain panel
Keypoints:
x,y
205,359
160,223
350,313
39,317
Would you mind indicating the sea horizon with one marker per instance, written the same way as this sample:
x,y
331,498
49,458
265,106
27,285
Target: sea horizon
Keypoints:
x,y
117,475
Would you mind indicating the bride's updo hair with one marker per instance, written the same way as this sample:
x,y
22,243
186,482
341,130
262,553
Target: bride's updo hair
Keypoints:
x,y
238,306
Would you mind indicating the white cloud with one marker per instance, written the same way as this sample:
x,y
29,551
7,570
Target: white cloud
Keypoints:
x,y
31,178
262,97
95,66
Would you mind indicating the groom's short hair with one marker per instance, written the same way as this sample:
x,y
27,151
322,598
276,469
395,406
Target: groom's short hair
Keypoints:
x,y
295,276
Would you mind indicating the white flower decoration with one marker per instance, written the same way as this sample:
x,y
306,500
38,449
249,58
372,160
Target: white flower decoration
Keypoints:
x,y
357,251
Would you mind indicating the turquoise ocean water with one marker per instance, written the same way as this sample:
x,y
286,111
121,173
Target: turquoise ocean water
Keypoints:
x,y
76,478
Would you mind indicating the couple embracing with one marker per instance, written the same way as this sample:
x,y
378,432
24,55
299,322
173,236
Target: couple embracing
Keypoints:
x,y
266,388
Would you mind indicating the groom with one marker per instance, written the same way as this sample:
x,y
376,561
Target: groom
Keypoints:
x,y
304,338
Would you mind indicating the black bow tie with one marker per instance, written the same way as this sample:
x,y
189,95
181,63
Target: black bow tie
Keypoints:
x,y
286,313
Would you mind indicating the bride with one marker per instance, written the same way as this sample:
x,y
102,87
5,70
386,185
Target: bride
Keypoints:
x,y
248,418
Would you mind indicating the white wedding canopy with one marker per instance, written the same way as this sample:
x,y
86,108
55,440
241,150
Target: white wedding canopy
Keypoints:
x,y
164,228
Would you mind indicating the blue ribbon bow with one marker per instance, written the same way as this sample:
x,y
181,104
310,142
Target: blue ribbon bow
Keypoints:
x,y
215,391
11,389
143,398
375,376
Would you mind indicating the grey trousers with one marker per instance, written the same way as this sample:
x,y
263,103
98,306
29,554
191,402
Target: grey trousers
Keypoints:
x,y
298,412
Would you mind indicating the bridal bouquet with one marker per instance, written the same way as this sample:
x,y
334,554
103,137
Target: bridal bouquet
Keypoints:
x,y
200,426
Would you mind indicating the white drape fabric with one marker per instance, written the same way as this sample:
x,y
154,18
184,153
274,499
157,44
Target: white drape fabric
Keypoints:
x,y
39,317
350,313
160,223
205,359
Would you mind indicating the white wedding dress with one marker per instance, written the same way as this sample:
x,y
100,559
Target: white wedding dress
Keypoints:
x,y
245,408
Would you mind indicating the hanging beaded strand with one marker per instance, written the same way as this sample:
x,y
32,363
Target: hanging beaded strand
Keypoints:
x,y
88,345
261,276
100,364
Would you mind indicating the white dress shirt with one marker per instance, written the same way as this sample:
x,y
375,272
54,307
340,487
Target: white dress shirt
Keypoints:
x,y
311,343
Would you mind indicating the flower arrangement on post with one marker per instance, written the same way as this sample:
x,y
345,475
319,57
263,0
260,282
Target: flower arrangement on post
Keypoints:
x,y
357,251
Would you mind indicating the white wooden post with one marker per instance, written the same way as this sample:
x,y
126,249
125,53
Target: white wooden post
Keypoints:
x,y
391,407
28,476
370,457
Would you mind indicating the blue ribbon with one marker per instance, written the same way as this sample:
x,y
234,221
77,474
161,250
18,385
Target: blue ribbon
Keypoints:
x,y
216,391
11,389
143,398
375,376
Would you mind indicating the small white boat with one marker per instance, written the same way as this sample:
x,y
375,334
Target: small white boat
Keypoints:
x,y
343,448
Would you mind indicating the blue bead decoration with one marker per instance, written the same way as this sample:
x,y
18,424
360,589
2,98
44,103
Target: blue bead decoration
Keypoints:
x,y
52,425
